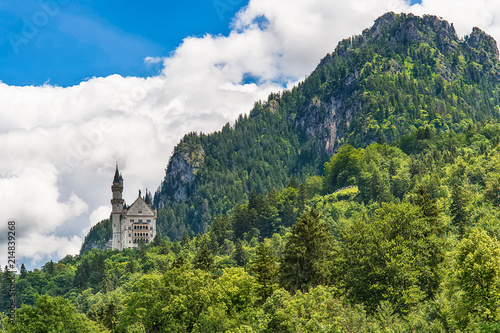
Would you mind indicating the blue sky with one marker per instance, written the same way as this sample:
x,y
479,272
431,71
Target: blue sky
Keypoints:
x,y
64,42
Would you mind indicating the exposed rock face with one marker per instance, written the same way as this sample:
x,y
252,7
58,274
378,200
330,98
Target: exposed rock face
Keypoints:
x,y
479,40
181,175
181,172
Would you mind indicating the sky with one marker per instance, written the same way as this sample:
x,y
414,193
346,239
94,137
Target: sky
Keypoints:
x,y
86,84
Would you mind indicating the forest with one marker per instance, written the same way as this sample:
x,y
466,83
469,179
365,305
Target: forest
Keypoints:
x,y
399,237
393,226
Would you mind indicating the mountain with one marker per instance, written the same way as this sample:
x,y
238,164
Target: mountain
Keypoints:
x,y
406,73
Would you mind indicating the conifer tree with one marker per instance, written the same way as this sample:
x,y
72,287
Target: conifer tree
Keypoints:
x,y
50,268
306,257
458,207
179,262
205,260
131,265
265,267
428,206
23,272
240,254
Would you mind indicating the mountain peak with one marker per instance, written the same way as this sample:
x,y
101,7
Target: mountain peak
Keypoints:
x,y
405,29
480,40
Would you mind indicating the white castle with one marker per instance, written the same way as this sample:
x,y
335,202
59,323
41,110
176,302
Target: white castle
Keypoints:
x,y
131,225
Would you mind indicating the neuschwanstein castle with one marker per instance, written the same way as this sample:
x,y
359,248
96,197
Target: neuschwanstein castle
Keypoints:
x,y
132,224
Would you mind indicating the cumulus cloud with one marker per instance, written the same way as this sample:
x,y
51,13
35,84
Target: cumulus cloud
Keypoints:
x,y
59,145
464,15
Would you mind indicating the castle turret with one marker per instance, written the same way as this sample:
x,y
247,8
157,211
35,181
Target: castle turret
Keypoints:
x,y
117,210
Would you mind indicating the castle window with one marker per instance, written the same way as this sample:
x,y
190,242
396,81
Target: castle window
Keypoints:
x,y
140,212
140,221
131,220
149,220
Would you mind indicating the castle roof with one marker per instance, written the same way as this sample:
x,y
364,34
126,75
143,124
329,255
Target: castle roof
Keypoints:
x,y
141,208
118,176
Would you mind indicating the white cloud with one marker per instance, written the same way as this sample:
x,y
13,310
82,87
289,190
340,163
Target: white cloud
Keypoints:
x,y
99,214
464,14
153,60
58,146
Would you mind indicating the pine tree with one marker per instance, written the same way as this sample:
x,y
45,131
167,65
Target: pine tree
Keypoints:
x,y
205,260
428,206
131,265
265,267
5,289
23,272
306,257
49,268
458,207
240,254
267,219
179,262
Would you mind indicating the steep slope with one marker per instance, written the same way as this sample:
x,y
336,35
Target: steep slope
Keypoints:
x,y
404,73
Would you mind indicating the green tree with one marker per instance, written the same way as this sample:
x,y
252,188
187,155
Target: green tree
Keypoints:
x,y
205,260
393,257
434,230
307,252
477,273
240,254
179,262
458,207
265,268
343,168
23,272
131,268
52,315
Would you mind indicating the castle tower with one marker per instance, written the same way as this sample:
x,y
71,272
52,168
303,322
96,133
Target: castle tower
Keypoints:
x,y
117,210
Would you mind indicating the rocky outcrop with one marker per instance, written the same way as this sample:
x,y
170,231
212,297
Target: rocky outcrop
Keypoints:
x,y
181,172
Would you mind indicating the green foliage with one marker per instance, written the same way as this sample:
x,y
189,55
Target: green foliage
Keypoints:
x,y
98,236
240,254
265,268
316,311
52,315
396,257
477,274
205,260
343,168
306,258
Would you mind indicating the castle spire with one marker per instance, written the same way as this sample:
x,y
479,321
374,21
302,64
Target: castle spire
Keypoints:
x,y
118,177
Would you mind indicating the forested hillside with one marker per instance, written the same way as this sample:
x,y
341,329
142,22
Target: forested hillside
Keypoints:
x,y
366,199
404,73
